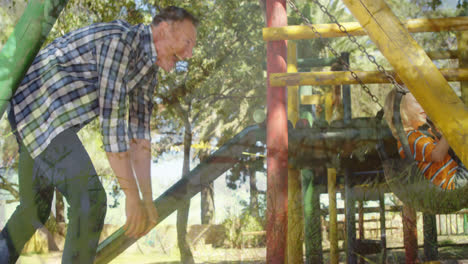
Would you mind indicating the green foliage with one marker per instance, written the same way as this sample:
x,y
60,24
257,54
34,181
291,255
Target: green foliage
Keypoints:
x,y
223,82
239,231
240,172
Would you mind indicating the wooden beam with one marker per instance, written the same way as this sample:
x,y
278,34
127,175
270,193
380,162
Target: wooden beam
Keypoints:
x,y
442,54
313,99
416,70
462,41
295,211
342,77
334,253
355,29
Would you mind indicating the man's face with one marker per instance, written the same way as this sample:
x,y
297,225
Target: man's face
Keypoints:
x,y
181,38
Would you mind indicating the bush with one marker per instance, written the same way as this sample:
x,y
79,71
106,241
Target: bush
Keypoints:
x,y
238,226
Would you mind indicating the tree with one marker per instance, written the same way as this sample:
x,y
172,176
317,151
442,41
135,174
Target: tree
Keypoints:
x,y
246,170
211,96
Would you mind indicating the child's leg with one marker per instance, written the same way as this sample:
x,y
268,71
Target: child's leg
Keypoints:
x,y
75,177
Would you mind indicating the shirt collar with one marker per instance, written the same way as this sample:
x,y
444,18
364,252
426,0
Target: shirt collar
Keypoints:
x,y
148,43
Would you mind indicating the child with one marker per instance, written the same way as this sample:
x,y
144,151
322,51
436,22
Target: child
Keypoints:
x,y
430,152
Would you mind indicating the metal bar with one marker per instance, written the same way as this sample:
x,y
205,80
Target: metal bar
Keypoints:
x,y
346,93
361,226
343,77
416,70
350,206
277,141
315,62
383,231
295,211
24,43
361,219
447,230
334,253
214,166
440,225
465,223
355,29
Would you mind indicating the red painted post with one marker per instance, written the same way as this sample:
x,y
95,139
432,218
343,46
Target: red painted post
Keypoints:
x,y
277,140
410,234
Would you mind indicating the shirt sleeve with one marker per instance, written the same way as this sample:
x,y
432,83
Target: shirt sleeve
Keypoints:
x,y
423,145
112,60
141,108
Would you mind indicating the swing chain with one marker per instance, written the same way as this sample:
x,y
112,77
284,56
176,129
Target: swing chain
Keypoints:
x,y
335,53
354,40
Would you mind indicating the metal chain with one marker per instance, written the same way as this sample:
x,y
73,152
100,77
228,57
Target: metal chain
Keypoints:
x,y
335,53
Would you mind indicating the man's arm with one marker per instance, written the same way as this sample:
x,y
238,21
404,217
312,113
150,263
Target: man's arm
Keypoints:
x,y
140,150
135,225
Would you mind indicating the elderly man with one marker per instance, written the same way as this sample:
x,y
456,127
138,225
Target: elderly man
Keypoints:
x,y
106,70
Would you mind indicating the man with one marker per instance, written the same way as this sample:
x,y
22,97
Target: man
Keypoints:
x,y
106,70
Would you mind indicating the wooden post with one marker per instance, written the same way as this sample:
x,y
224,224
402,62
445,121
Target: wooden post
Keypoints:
x,y
333,234
430,237
350,205
410,234
416,70
312,216
312,213
277,141
295,212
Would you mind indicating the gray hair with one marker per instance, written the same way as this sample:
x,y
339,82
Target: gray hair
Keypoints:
x,y
173,13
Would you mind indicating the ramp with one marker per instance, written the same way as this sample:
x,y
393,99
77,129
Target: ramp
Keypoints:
x,y
183,190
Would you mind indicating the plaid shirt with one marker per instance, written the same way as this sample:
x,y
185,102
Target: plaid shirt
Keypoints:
x,y
106,70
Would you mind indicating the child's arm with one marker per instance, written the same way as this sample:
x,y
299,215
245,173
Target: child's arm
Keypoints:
x,y
440,151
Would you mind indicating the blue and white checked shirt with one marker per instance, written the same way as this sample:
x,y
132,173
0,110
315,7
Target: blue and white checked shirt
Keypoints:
x,y
106,70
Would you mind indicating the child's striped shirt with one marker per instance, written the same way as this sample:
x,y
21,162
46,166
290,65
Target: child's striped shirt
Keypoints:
x,y
441,173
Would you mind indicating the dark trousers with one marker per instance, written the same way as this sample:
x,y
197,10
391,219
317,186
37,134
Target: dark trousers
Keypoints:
x,y
64,165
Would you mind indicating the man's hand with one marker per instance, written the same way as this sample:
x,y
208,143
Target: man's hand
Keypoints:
x,y
136,224
152,215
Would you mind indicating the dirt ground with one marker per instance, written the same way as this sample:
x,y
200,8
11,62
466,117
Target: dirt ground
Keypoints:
x,y
447,255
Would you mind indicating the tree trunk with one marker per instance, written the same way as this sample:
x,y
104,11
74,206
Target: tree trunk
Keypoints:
x,y
207,205
253,192
207,200
182,214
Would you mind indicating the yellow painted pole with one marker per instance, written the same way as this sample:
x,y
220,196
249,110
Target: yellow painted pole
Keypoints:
x,y
462,38
343,77
333,234
295,215
355,29
416,70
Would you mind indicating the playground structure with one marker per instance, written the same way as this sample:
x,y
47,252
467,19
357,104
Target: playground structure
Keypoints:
x,y
290,149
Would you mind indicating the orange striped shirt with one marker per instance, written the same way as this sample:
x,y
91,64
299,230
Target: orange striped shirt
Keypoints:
x,y
441,173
